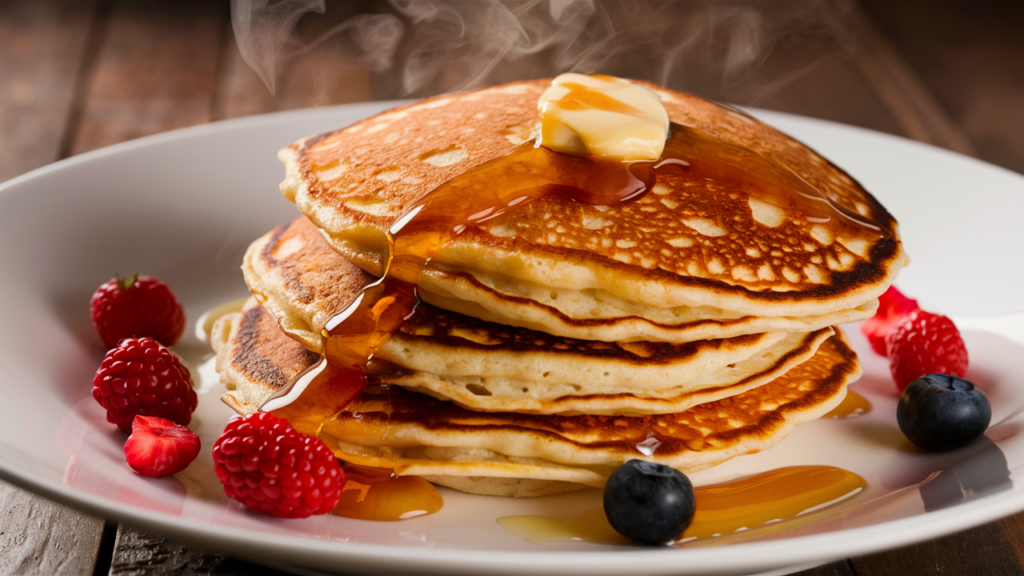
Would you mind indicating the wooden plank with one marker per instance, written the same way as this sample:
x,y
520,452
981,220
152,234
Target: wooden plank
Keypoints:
x,y
38,536
42,45
325,74
156,70
795,79
810,70
240,92
838,568
41,51
1013,526
836,91
901,89
970,55
141,553
982,550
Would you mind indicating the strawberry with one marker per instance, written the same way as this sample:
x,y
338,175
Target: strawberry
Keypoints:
x,y
140,376
134,307
925,343
893,307
267,465
159,447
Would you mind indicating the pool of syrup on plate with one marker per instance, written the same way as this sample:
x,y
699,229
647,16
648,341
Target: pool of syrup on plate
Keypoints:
x,y
853,406
380,494
738,506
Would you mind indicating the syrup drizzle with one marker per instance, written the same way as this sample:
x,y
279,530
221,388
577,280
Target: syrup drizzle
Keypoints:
x,y
353,335
378,494
707,157
852,406
741,506
490,190
581,97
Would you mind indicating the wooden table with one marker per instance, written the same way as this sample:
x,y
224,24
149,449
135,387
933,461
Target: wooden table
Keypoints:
x,y
76,76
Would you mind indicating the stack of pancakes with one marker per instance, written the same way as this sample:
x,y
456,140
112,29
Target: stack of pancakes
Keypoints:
x,y
559,339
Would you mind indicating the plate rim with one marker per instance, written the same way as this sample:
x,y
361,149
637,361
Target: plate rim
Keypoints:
x,y
274,548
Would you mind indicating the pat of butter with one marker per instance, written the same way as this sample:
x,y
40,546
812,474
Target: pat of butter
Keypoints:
x,y
602,116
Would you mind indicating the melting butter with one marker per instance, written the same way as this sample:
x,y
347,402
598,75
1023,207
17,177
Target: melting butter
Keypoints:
x,y
604,117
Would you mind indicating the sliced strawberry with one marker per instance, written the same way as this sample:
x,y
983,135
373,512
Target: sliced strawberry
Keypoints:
x,y
893,308
159,447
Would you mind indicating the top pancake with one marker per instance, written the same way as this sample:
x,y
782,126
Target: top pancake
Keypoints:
x,y
684,244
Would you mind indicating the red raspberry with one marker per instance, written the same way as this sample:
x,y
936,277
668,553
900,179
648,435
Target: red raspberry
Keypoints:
x,y
159,447
268,466
135,307
893,307
142,377
925,343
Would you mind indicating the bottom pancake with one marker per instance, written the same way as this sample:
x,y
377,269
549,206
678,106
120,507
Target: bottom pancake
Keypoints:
x,y
504,453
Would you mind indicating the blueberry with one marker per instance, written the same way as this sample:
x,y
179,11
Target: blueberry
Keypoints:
x,y
942,412
647,502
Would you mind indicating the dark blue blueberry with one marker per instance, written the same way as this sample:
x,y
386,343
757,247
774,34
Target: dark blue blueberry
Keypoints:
x,y
942,412
647,502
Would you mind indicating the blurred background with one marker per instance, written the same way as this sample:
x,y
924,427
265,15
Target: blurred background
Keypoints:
x,y
80,75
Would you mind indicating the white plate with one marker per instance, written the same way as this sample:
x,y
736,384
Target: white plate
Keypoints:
x,y
183,206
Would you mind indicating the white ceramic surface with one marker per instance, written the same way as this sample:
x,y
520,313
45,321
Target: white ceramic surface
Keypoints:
x,y
184,205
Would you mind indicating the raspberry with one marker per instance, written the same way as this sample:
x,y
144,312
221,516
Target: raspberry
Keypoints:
x,y
159,447
135,307
893,307
268,466
140,376
925,343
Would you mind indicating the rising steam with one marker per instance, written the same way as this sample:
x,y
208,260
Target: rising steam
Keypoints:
x,y
262,27
719,48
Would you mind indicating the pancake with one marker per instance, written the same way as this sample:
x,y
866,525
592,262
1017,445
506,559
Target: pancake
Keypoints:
x,y
688,251
582,315
486,366
510,453
490,394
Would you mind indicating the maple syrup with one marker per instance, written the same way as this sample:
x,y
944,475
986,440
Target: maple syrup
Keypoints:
x,y
379,494
704,156
592,526
852,406
722,509
492,189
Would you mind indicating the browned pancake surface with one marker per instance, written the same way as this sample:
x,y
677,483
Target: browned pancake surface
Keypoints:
x,y
489,366
392,427
686,242
375,170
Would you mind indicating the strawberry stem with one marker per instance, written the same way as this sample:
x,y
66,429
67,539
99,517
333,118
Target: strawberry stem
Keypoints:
x,y
126,282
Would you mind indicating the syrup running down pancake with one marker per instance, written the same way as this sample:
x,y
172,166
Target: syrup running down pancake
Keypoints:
x,y
518,454
487,366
